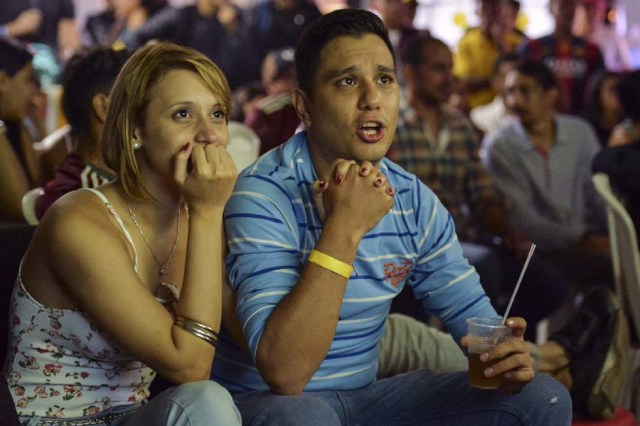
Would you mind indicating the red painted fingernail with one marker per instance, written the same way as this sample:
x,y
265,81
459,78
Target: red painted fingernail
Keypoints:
x,y
323,184
378,182
339,179
363,171
390,191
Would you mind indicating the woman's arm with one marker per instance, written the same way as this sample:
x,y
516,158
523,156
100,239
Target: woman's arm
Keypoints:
x,y
91,264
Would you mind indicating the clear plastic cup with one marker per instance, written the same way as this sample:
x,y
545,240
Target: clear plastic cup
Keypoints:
x,y
484,334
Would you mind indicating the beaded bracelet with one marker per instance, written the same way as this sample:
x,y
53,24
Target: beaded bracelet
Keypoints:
x,y
331,263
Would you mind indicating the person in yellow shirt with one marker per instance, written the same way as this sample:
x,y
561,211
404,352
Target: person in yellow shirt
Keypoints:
x,y
481,46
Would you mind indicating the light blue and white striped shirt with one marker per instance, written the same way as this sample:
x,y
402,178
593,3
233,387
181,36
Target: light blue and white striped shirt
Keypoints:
x,y
272,225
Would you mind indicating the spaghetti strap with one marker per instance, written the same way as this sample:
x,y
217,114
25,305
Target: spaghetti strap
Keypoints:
x,y
116,216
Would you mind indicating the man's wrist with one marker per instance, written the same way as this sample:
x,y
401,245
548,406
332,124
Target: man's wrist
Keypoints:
x,y
330,263
342,234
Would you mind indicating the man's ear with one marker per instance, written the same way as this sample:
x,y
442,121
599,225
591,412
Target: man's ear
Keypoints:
x,y
301,104
99,103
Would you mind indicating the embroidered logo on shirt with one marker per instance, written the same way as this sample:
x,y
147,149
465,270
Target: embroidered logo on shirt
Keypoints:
x,y
396,274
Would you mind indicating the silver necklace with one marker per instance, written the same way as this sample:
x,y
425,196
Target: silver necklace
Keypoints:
x,y
161,265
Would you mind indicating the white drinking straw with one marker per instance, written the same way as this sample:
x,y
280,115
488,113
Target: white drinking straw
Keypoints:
x,y
515,290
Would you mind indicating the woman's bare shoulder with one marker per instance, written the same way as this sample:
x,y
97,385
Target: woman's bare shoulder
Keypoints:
x,y
75,208
77,216
77,232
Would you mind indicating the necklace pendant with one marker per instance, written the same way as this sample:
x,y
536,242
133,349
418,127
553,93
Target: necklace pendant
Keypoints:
x,y
175,243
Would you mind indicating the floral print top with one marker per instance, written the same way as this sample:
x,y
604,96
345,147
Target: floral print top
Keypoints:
x,y
59,364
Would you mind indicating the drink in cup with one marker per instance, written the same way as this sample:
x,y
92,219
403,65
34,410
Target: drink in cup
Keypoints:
x,y
484,334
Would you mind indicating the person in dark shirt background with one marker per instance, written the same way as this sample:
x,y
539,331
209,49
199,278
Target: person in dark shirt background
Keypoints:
x,y
572,59
621,161
119,20
279,23
274,118
215,28
49,22
87,81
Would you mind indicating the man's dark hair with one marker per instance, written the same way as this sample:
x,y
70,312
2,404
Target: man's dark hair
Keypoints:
x,y
629,94
344,22
14,56
539,72
90,71
411,53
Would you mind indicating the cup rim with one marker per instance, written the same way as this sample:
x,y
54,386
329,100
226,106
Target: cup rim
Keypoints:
x,y
493,322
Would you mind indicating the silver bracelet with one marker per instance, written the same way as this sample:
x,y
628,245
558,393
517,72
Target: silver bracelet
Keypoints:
x,y
199,330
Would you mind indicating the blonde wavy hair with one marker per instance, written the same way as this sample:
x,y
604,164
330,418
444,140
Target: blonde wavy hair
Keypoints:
x,y
130,98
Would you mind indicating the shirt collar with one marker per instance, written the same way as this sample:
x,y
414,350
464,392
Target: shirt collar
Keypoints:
x,y
561,136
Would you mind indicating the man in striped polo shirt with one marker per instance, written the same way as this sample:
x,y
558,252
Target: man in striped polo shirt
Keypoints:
x,y
323,233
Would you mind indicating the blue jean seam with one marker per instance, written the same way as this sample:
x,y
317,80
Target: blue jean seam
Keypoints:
x,y
345,407
184,410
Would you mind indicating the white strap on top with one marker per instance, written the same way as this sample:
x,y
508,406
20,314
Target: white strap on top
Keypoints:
x,y
119,220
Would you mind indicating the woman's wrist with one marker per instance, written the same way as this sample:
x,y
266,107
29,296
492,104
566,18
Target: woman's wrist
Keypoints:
x,y
196,210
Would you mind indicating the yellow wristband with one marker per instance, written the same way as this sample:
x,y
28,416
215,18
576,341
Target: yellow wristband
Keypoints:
x,y
331,263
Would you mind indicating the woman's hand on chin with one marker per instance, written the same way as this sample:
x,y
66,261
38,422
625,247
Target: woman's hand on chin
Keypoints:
x,y
206,175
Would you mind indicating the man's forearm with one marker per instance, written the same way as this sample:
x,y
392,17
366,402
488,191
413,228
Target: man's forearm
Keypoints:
x,y
301,328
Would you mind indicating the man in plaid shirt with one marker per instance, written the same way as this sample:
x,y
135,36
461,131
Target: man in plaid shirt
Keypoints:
x,y
440,146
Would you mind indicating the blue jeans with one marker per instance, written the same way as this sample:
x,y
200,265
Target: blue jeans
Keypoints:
x,y
420,397
202,403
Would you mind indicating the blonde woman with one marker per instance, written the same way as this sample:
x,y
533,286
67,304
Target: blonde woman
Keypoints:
x,y
125,281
